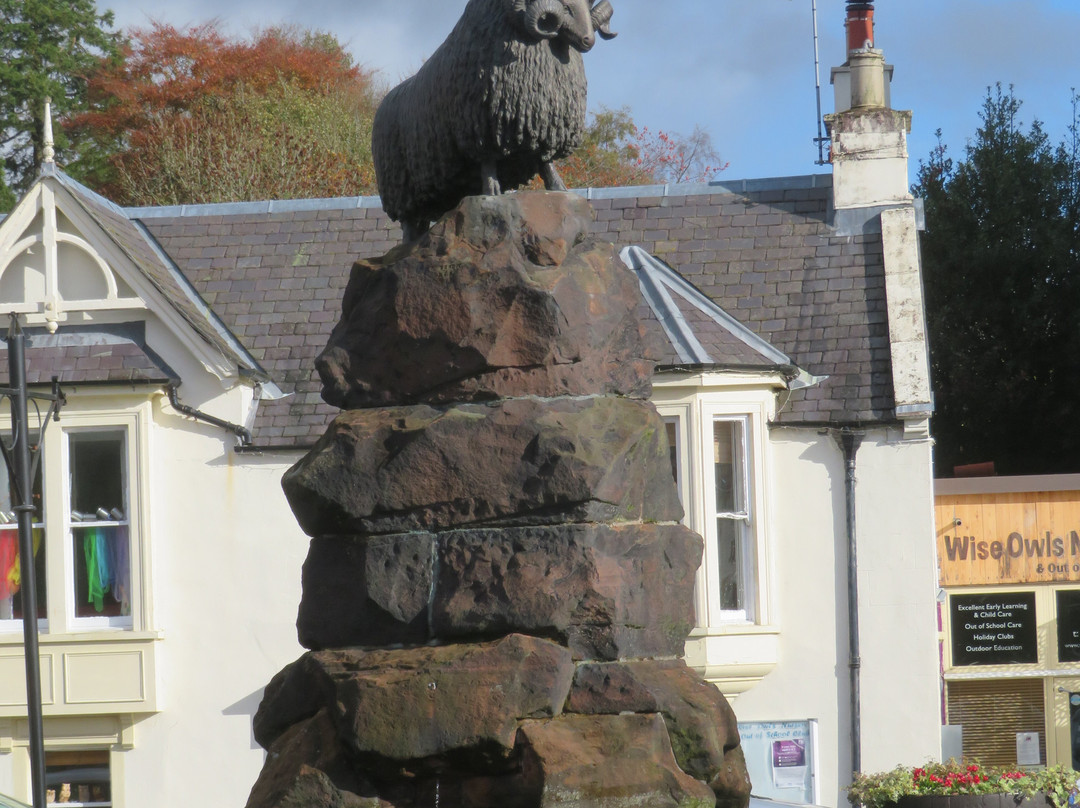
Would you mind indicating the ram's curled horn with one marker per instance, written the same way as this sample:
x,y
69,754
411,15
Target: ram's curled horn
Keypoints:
x,y
545,17
601,16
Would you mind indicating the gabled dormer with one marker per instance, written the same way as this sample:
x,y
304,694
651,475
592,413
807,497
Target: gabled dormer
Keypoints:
x,y
69,257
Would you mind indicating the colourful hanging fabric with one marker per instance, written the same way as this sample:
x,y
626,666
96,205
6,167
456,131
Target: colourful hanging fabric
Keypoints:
x,y
94,593
121,568
14,575
9,553
104,557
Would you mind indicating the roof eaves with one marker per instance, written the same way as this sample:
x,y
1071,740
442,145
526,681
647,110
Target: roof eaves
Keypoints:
x,y
787,372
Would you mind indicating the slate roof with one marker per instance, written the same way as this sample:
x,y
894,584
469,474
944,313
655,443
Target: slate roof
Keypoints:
x,y
262,282
99,354
128,235
764,251
767,254
275,274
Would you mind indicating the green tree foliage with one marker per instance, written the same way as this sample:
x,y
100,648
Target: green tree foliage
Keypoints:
x,y
47,48
1002,286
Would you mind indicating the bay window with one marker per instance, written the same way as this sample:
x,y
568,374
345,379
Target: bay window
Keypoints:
x,y
84,537
78,778
717,461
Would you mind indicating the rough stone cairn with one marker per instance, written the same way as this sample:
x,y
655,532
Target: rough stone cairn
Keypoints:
x,y
498,588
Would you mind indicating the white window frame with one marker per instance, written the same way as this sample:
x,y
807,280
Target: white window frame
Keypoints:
x,y
96,621
744,517
59,618
694,415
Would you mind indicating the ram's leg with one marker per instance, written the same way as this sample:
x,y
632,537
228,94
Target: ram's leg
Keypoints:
x,y
489,179
551,178
412,229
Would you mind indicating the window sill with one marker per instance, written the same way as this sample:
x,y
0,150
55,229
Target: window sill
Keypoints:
x,y
728,629
736,657
111,634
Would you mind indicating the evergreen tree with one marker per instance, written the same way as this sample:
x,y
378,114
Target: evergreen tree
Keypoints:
x,y
1003,295
47,47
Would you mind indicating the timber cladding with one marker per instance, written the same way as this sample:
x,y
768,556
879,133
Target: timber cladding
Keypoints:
x,y
1008,538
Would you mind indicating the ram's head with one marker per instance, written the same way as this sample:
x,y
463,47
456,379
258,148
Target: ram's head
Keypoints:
x,y
575,21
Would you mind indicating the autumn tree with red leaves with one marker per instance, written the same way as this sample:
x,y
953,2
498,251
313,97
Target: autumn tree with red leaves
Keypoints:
x,y
193,117
188,117
616,152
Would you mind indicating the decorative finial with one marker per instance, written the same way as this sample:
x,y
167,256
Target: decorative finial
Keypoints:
x,y
48,153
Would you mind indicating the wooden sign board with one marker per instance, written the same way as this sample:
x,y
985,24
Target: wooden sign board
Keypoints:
x,y
985,539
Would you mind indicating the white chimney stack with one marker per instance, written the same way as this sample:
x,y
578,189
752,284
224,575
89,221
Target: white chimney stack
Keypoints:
x,y
868,138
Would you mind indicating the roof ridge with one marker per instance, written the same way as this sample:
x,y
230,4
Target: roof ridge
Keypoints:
x,y
268,206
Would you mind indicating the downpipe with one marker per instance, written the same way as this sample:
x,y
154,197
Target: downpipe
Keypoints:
x,y
174,399
849,441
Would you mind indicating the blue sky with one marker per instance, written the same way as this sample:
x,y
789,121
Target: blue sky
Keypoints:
x,y
741,69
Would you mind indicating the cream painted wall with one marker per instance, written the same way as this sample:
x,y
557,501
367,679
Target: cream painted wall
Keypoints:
x,y
900,715
227,555
901,712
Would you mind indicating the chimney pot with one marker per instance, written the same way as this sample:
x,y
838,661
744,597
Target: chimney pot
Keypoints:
x,y
860,26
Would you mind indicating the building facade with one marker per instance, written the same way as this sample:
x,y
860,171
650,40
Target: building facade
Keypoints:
x,y
1009,559
783,371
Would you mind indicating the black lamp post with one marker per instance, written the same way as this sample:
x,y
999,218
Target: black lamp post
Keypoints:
x,y
22,465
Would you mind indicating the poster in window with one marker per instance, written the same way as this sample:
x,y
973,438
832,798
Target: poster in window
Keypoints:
x,y
1068,625
1027,749
789,763
995,628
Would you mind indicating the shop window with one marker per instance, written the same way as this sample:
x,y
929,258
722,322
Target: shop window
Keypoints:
x,y
1068,625
78,779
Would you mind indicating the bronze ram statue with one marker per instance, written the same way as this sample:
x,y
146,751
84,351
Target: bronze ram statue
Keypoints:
x,y
500,99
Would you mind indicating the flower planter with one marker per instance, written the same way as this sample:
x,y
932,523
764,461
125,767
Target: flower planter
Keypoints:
x,y
971,801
